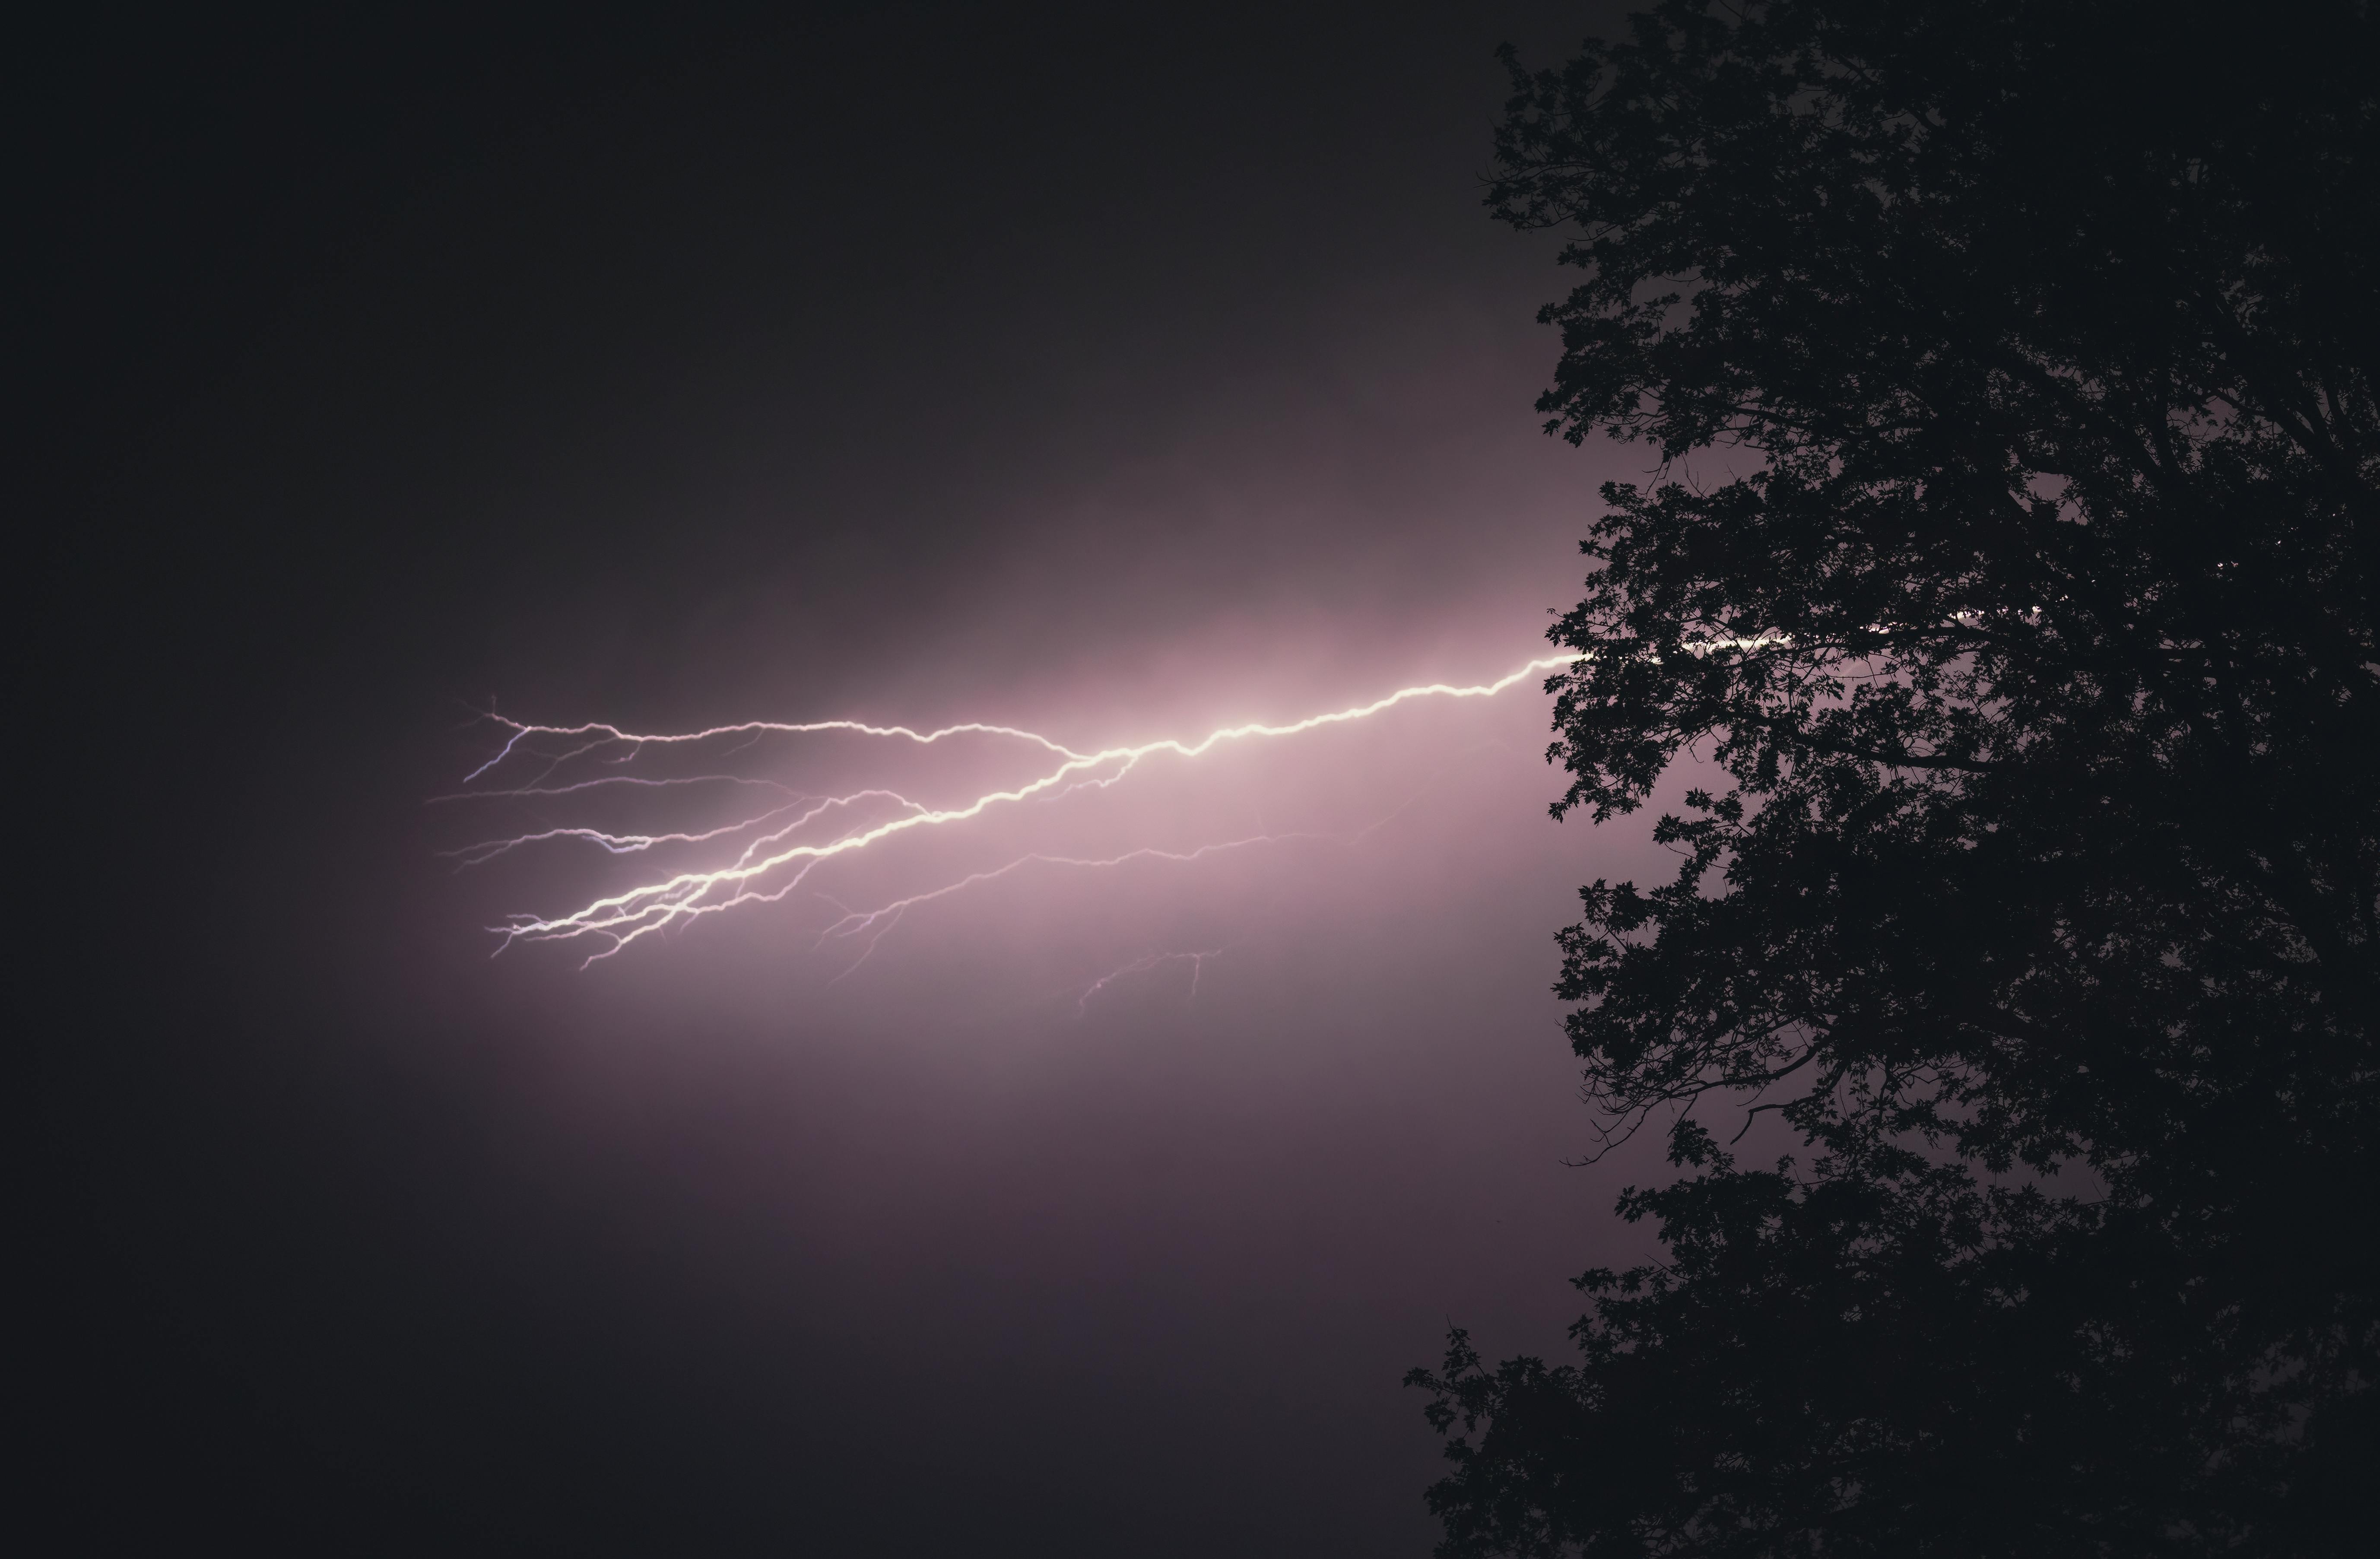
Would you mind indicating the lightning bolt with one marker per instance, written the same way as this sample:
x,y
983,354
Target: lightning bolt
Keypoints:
x,y
1196,959
783,847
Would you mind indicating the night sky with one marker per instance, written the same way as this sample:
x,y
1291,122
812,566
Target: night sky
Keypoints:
x,y
1117,374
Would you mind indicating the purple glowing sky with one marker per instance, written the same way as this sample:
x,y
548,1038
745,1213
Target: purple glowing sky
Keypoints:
x,y
1173,1162
1113,391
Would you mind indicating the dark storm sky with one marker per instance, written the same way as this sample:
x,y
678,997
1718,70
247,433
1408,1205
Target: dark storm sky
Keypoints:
x,y
1118,372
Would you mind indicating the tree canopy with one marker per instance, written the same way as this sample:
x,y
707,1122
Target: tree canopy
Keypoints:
x,y
2009,369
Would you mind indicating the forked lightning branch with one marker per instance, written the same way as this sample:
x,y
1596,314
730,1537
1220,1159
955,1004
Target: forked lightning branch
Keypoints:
x,y
763,855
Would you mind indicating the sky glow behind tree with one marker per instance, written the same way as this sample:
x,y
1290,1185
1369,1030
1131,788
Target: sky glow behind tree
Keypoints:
x,y
928,369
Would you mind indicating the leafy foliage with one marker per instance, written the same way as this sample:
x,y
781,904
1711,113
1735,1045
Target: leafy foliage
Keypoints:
x,y
2032,630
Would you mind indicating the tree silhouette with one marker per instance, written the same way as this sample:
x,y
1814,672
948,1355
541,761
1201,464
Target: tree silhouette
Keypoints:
x,y
2012,367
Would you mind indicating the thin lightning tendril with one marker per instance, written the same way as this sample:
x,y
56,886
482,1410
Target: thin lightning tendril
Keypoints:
x,y
1196,958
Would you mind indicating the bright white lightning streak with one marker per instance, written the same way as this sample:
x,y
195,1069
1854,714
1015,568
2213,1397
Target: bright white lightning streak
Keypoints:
x,y
620,918
636,844
605,735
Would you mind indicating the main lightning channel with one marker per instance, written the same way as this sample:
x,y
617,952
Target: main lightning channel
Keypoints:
x,y
620,918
